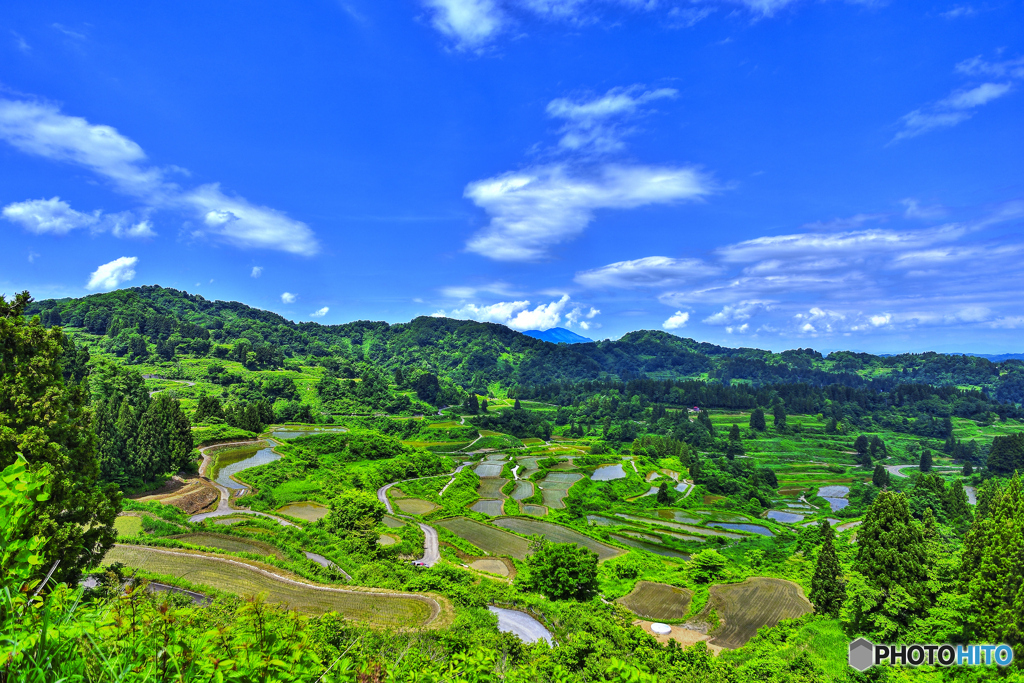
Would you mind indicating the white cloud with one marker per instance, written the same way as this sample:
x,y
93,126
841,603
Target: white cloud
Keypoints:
x,y
535,209
913,209
958,11
959,105
288,298
519,315
591,124
578,316
740,312
256,271
676,320
320,312
48,216
110,275
470,291
40,129
650,271
57,217
469,23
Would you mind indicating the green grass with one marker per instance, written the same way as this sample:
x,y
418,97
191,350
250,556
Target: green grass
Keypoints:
x,y
126,525
232,544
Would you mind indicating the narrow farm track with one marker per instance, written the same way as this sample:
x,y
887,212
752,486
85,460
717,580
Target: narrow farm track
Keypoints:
x,y
521,624
431,544
375,606
224,504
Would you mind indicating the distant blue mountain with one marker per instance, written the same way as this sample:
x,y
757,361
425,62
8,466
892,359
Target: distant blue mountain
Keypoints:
x,y
558,335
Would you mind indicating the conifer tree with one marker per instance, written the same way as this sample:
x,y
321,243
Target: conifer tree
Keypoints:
x,y
663,495
828,590
517,405
955,502
968,470
880,477
779,413
483,407
861,445
926,461
735,446
757,422
890,548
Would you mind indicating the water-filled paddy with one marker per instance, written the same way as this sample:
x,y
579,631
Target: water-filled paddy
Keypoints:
x,y
752,528
524,489
677,516
535,510
598,520
488,469
608,473
556,533
676,525
393,522
650,547
488,507
235,460
785,517
308,511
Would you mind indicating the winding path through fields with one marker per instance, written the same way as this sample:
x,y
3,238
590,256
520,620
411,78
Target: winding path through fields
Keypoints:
x,y
224,504
431,547
521,624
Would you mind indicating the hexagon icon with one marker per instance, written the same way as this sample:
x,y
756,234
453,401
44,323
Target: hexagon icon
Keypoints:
x,y
861,654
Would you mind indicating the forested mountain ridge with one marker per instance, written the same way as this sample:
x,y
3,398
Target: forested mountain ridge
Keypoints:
x,y
148,320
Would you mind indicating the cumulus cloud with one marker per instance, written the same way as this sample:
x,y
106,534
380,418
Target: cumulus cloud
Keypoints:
x,y
256,271
592,124
535,209
676,320
523,315
55,216
650,271
470,24
110,275
288,298
320,312
959,105
40,129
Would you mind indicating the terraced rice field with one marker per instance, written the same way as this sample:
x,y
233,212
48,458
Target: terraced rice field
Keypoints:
x,y
598,520
232,544
308,511
490,566
751,528
393,522
523,490
488,469
657,601
487,538
386,539
128,525
557,534
415,506
681,527
237,577
490,488
746,607
608,473
535,510
554,487
492,508
677,516
653,548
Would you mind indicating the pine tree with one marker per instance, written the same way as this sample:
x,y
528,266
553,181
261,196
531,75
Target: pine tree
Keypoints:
x,y
757,422
955,502
861,445
890,547
517,405
399,377
968,470
735,446
880,477
828,590
926,461
483,406
779,413
832,427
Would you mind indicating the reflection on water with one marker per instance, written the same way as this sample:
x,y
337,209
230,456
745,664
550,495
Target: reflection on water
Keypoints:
x,y
233,462
752,528
785,517
608,472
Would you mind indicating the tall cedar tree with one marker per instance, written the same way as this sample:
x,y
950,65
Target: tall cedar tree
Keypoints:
x,y
880,477
165,439
992,569
890,548
925,464
955,502
779,413
757,420
663,495
828,590
49,423
968,470
735,446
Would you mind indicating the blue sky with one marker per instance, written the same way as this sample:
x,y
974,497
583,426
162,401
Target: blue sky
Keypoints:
x,y
762,173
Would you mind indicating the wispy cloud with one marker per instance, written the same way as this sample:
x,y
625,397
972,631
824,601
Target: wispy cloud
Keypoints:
x,y
594,124
40,129
320,312
650,271
469,24
110,275
21,43
959,105
256,271
471,291
55,216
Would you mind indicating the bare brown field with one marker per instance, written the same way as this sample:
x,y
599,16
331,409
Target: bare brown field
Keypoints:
x,y
242,578
758,601
657,601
